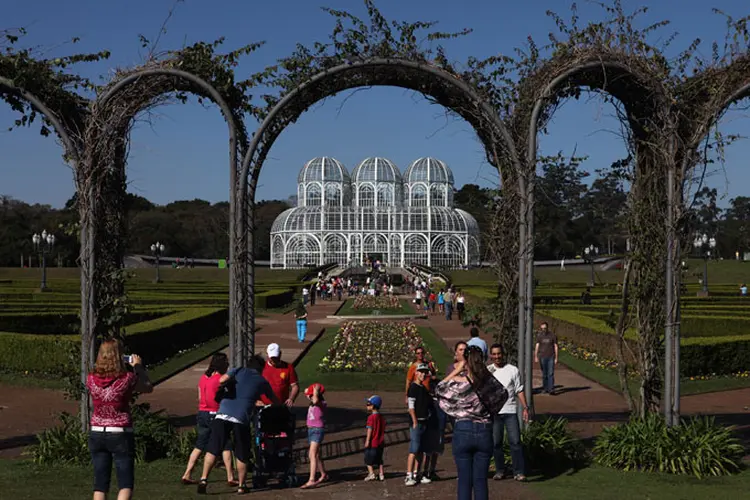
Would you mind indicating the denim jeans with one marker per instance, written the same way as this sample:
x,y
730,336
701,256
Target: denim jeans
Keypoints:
x,y
509,422
448,310
548,373
106,447
301,329
472,449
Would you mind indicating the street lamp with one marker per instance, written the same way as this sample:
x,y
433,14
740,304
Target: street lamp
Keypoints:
x,y
43,243
589,254
157,249
704,245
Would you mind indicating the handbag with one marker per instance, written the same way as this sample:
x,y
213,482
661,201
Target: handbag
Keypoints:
x,y
492,394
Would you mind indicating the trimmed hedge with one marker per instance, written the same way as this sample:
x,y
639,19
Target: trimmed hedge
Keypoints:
x,y
272,299
154,340
714,355
61,323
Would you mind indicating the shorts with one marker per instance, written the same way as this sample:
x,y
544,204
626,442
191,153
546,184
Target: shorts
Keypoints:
x,y
315,434
203,426
374,456
220,431
415,438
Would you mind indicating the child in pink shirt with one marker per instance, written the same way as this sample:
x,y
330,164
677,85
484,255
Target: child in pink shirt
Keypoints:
x,y
315,433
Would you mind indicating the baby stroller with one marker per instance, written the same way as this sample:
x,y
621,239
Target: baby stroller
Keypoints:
x,y
274,446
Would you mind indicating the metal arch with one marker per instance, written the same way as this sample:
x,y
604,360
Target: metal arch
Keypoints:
x,y
526,231
236,350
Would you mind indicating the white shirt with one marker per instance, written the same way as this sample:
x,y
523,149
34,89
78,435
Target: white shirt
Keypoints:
x,y
510,377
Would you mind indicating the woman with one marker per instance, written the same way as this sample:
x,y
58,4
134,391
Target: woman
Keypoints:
x,y
207,408
111,386
458,355
301,316
472,430
460,304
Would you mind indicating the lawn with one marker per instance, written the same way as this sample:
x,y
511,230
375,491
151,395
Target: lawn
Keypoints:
x,y
352,381
348,310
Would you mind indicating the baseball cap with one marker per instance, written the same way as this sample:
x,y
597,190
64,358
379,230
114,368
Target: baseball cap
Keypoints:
x,y
375,401
423,367
273,350
310,390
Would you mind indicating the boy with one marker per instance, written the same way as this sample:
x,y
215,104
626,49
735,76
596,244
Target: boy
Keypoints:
x,y
375,439
420,405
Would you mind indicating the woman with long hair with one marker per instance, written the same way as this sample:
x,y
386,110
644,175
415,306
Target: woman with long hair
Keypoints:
x,y
472,430
111,386
207,408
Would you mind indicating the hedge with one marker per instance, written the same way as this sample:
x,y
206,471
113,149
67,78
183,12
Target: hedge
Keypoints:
x,y
154,340
61,323
271,299
716,355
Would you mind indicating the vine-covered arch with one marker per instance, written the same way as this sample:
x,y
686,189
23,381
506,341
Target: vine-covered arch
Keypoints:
x,y
442,87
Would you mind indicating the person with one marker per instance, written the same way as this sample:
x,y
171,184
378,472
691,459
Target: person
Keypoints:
x,y
111,386
374,439
300,314
233,417
458,355
507,419
743,290
545,353
411,373
472,431
441,301
281,375
313,293
460,304
208,386
420,404
305,295
315,433
476,341
448,304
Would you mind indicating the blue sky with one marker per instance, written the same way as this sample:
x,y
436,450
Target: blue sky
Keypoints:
x,y
180,153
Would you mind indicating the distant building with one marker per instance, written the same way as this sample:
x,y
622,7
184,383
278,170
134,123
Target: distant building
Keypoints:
x,y
375,213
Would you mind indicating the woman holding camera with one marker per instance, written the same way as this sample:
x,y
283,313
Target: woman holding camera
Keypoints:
x,y
111,386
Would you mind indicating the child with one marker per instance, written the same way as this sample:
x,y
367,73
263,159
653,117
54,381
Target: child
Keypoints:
x,y
315,433
375,439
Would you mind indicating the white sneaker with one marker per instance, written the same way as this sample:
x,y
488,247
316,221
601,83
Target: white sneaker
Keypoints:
x,y
425,480
382,477
370,477
410,481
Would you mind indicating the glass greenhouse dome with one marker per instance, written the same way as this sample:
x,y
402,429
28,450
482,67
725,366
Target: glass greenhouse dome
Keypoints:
x,y
376,212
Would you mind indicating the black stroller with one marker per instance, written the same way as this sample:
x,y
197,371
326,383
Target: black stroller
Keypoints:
x,y
274,446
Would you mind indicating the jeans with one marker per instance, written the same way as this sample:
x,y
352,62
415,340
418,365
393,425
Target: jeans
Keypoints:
x,y
548,373
415,438
472,449
509,422
106,447
301,329
448,310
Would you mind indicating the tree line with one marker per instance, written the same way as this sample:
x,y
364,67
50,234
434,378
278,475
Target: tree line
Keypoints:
x,y
571,214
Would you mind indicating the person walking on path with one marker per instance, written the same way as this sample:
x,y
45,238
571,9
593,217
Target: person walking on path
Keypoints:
x,y
281,375
233,418
472,432
111,386
460,304
448,298
476,341
208,386
374,439
301,316
507,419
545,353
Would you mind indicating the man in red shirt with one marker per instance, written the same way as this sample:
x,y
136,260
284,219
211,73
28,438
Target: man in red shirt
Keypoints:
x,y
281,375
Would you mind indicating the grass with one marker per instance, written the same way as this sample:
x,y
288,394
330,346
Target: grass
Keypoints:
x,y
354,381
348,310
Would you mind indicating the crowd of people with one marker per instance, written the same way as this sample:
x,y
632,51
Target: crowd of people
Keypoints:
x,y
228,399
431,300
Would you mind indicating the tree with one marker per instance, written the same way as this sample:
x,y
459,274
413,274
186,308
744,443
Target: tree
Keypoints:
x,y
604,209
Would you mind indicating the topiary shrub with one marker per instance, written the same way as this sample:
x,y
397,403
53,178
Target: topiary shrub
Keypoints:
x,y
698,447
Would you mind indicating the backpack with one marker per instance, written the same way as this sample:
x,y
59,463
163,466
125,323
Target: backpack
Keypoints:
x,y
492,394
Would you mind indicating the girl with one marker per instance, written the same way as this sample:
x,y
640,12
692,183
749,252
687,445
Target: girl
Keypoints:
x,y
315,433
207,408
441,301
301,316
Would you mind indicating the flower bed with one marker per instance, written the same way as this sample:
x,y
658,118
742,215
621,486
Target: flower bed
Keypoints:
x,y
373,346
376,302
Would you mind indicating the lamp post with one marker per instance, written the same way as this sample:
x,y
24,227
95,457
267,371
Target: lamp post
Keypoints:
x,y
157,249
589,254
43,244
704,245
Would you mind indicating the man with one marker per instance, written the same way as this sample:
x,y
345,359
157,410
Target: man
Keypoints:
x,y
476,341
448,303
507,419
420,406
234,417
411,374
281,376
545,353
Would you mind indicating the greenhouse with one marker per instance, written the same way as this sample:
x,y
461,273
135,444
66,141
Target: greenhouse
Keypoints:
x,y
376,212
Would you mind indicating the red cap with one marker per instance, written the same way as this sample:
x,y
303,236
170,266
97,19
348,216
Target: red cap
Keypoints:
x,y
310,390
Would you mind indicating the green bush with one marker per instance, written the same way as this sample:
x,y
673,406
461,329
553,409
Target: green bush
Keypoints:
x,y
270,299
697,447
184,444
63,444
155,437
549,445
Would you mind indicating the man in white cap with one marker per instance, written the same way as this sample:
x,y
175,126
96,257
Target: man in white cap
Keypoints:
x,y
281,376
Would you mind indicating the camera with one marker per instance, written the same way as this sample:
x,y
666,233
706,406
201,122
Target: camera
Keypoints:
x,y
127,359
